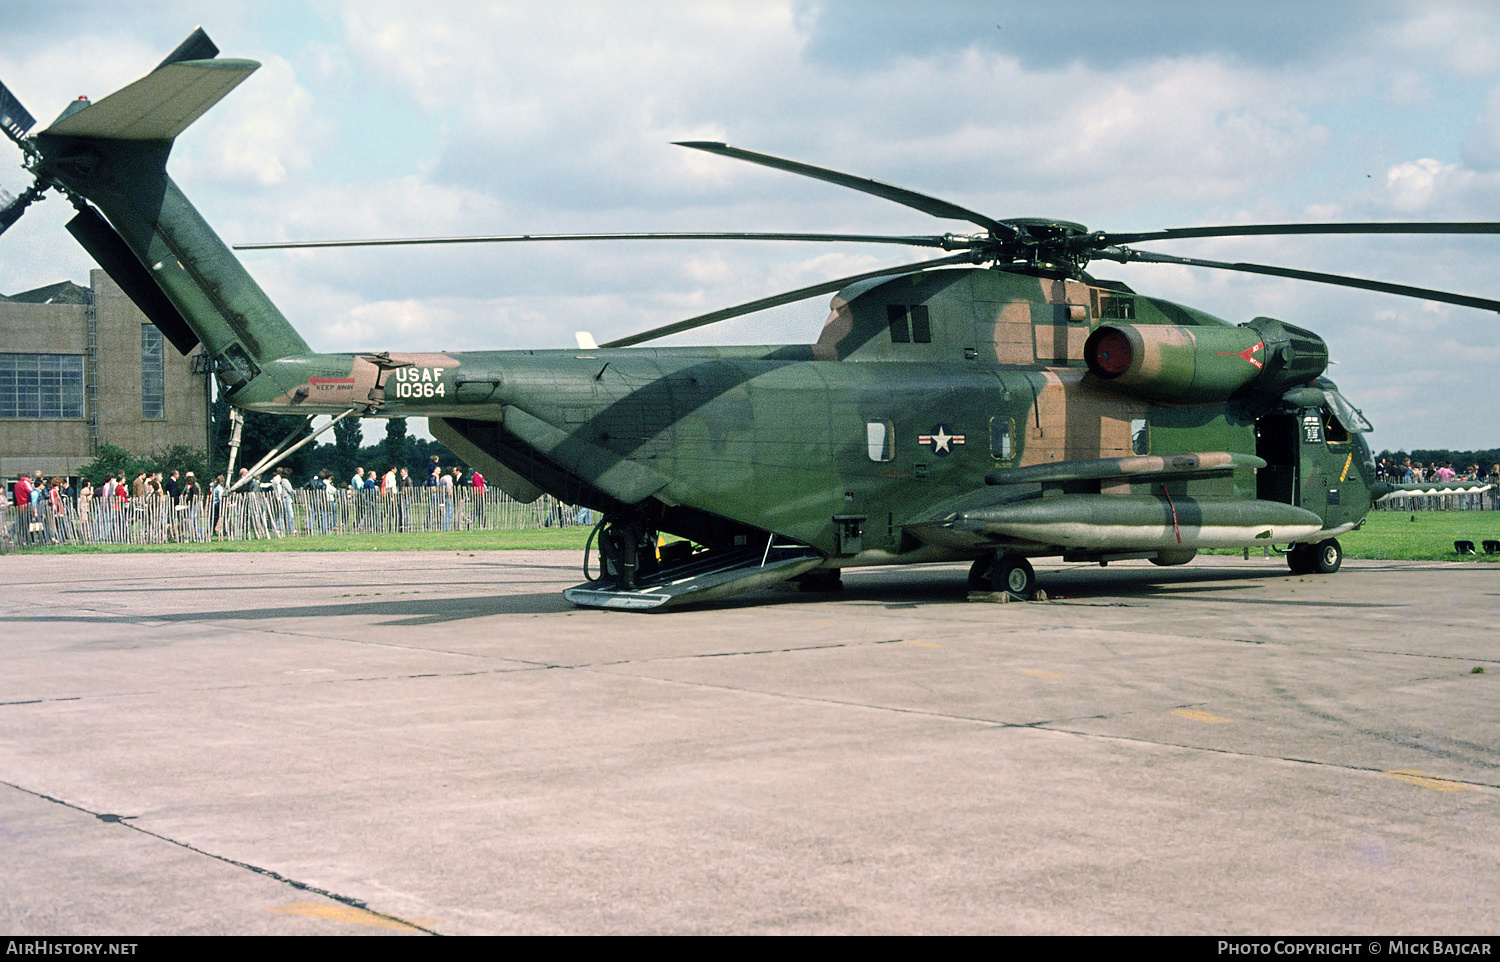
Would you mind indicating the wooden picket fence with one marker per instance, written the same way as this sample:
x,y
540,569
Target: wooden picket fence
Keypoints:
x,y
253,515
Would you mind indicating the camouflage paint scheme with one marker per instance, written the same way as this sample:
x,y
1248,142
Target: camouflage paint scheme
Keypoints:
x,y
905,433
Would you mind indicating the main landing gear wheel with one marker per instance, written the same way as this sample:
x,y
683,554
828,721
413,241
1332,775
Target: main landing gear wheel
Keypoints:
x,y
820,579
1326,557
1009,572
1323,558
626,551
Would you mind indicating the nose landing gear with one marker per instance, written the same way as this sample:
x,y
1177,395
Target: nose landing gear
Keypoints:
x,y
1322,558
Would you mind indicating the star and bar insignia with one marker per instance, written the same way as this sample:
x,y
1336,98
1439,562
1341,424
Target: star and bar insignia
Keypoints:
x,y
941,440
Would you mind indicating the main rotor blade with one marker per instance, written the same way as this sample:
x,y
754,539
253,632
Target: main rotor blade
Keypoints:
x,y
777,300
1249,230
1125,255
915,241
14,118
909,198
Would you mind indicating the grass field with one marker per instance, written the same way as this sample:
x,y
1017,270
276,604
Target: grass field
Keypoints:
x,y
1386,535
1422,535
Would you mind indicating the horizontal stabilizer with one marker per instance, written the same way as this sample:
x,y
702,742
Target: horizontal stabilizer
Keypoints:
x,y
1133,470
160,105
110,252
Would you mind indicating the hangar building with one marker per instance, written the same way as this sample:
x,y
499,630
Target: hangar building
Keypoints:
x,y
80,367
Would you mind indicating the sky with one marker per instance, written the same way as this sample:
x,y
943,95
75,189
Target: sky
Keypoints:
x,y
372,118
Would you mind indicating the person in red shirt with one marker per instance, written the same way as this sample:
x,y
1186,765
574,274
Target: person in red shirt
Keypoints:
x,y
22,493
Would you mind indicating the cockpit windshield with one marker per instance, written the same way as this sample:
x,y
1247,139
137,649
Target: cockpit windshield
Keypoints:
x,y
1349,416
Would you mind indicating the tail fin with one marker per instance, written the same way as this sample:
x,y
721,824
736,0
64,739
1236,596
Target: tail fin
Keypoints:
x,y
111,155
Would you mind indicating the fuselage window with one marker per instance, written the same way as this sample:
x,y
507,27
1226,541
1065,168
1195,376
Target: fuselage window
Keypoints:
x,y
921,325
909,324
1140,436
896,317
1000,439
880,440
1117,308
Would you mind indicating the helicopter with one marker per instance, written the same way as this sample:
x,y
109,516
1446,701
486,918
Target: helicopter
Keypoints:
x,y
991,405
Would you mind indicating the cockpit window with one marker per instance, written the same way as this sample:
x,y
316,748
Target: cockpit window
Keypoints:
x,y
1347,414
1333,429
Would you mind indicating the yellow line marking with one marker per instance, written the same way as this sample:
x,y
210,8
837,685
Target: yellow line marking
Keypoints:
x,y
1430,781
1038,673
826,624
1201,716
347,913
921,644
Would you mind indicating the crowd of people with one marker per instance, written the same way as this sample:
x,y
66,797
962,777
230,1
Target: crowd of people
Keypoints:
x,y
177,507
153,507
66,510
1407,471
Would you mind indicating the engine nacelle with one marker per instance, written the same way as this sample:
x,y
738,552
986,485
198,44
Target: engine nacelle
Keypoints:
x,y
1164,362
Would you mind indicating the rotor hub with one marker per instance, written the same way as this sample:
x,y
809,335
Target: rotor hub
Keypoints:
x,y
1048,244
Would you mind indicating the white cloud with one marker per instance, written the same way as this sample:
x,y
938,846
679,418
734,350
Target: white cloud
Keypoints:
x,y
262,135
1411,184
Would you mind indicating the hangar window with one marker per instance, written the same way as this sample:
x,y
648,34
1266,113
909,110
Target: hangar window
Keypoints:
x,y
153,375
47,387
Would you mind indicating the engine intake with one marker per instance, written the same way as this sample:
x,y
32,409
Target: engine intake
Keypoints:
x,y
1165,362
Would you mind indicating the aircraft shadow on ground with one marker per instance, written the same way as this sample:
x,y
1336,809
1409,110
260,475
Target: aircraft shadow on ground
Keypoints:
x,y
895,588
1089,584
404,612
